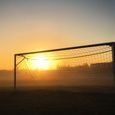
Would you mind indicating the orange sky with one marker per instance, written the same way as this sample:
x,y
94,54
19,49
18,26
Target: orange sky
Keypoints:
x,y
37,25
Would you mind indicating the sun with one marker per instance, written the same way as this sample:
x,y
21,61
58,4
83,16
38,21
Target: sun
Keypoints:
x,y
40,63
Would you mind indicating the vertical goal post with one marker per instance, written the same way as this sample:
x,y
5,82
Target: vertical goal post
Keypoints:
x,y
113,61
111,44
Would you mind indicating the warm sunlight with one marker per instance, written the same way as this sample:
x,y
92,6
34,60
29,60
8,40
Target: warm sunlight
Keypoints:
x,y
40,63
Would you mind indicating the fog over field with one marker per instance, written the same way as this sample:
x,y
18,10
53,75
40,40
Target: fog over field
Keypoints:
x,y
6,78
99,74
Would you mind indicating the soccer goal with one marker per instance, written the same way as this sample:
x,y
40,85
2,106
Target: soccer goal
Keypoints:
x,y
89,65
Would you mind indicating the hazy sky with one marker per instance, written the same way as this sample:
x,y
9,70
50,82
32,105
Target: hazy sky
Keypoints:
x,y
30,25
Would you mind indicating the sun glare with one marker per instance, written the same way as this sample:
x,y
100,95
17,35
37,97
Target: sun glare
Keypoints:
x,y
40,63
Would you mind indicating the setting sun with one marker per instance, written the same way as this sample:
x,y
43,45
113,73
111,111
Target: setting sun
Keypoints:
x,y
40,63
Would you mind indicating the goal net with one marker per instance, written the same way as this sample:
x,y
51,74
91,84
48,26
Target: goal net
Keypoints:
x,y
69,67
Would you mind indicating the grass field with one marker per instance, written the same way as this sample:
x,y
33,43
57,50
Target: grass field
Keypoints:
x,y
56,102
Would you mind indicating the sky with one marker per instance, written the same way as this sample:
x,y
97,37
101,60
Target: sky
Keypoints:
x,y
33,25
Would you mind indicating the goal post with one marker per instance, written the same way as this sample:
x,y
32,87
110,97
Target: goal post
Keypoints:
x,y
88,64
15,72
113,62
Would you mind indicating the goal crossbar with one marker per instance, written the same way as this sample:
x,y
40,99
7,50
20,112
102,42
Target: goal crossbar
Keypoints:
x,y
68,48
